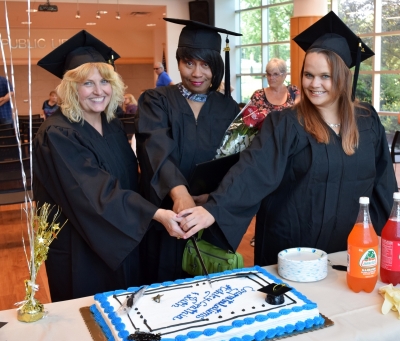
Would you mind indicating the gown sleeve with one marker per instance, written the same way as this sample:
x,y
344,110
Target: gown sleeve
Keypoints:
x,y
385,183
258,173
111,220
157,151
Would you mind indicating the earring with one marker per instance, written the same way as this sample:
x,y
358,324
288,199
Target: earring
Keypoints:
x,y
211,85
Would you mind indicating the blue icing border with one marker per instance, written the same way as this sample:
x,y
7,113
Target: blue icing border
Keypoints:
x,y
99,319
260,335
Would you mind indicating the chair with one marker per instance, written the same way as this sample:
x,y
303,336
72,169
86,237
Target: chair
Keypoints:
x,y
129,128
12,190
395,148
7,132
8,140
128,116
11,152
131,118
6,126
26,117
26,131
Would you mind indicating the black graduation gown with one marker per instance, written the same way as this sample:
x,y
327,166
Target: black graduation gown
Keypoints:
x,y
169,145
93,179
309,190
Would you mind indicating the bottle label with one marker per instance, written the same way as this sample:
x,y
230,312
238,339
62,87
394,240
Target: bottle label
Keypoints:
x,y
390,253
362,262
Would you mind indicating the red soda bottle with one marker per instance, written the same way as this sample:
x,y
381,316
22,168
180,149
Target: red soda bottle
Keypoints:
x,y
362,252
390,245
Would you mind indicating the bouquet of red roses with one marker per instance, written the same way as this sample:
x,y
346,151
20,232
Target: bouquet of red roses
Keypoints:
x,y
241,131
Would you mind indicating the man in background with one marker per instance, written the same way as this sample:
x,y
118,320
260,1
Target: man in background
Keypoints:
x,y
5,96
163,78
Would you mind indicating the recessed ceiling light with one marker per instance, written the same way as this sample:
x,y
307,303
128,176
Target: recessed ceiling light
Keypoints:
x,y
90,23
103,12
26,22
31,10
151,25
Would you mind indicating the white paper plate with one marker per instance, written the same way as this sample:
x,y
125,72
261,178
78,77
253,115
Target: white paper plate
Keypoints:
x,y
303,264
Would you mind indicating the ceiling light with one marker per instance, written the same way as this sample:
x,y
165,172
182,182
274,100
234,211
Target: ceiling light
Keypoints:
x,y
139,14
151,25
118,17
31,10
103,12
78,14
26,22
98,15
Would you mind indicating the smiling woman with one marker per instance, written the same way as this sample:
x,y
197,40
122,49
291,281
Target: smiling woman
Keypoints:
x,y
84,164
178,127
305,170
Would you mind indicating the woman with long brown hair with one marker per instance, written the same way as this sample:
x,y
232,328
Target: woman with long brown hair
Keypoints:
x,y
309,164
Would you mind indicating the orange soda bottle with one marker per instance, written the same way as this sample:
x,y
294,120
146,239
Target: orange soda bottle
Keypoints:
x,y
362,252
390,245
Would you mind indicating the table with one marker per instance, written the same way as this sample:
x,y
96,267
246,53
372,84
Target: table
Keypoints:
x,y
356,316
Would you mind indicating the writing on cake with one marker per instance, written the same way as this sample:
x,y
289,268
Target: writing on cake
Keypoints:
x,y
225,294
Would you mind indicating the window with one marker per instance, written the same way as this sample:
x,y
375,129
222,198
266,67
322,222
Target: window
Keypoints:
x,y
266,33
378,24
265,25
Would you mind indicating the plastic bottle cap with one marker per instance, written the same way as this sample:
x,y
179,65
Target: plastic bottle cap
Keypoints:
x,y
396,195
364,200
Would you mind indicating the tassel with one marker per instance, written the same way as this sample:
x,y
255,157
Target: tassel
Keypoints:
x,y
356,70
227,69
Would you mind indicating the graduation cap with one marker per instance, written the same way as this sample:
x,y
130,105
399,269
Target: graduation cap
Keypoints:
x,y
332,34
197,35
275,293
80,49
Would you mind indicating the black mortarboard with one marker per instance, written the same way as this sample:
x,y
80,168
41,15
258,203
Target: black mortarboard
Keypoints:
x,y
332,34
197,35
275,293
80,49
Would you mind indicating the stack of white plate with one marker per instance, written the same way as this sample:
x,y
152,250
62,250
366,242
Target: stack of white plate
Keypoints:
x,y
302,264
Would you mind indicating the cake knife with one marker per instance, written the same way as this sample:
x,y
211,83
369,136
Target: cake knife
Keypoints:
x,y
131,301
193,238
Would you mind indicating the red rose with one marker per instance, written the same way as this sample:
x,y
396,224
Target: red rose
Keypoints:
x,y
252,117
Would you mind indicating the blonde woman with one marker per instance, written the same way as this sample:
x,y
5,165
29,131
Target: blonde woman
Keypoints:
x,y
130,104
84,164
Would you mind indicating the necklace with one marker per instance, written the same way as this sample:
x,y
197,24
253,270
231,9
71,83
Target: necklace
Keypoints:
x,y
189,95
333,125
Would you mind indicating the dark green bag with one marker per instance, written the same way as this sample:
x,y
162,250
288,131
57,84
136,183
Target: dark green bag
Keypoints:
x,y
215,258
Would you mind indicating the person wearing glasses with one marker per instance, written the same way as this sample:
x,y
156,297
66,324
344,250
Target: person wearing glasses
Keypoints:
x,y
163,78
277,96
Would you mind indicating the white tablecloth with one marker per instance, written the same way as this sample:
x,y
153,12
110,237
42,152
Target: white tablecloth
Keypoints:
x,y
356,316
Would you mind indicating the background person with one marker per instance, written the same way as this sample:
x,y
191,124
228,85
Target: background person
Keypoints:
x,y
276,96
6,91
130,104
163,77
178,127
83,163
310,163
50,105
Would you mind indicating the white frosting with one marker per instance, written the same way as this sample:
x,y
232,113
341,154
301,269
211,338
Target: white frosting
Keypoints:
x,y
232,307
